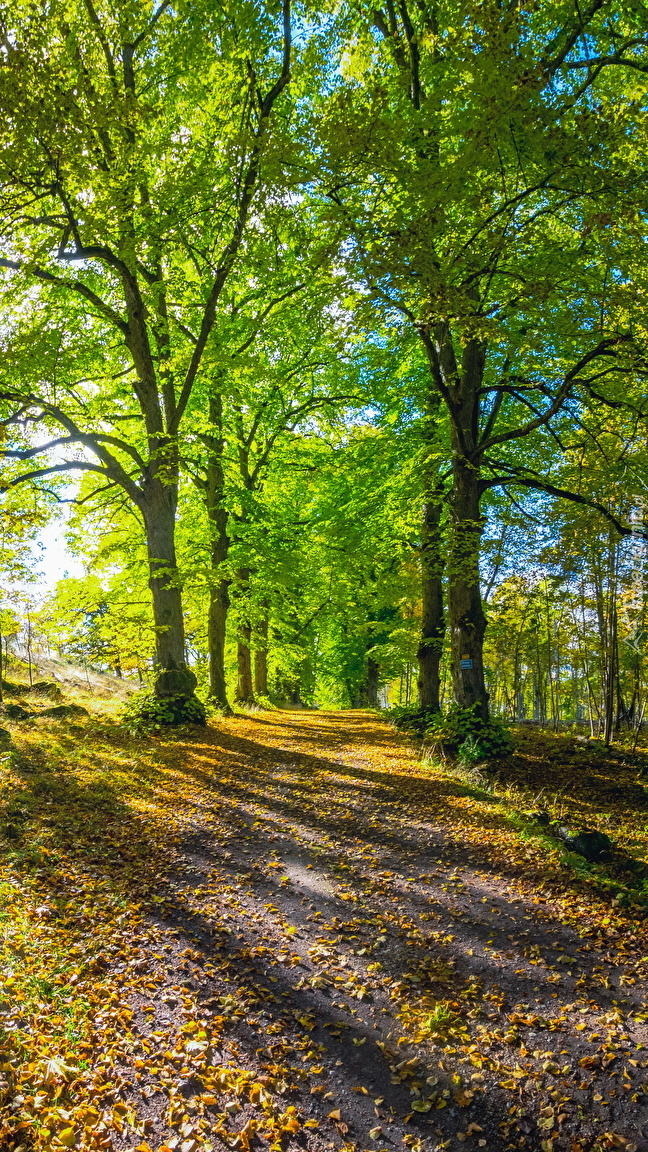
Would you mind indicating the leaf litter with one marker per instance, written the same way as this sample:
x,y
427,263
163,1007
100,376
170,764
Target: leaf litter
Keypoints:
x,y
289,931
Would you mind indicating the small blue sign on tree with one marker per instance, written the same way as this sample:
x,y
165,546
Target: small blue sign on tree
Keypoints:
x,y
465,663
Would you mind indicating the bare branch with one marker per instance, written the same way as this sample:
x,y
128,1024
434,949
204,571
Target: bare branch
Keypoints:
x,y
604,348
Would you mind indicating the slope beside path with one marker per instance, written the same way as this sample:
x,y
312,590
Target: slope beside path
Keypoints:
x,y
288,931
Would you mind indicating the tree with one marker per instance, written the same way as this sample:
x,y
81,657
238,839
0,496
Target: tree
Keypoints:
x,y
280,362
464,157
136,141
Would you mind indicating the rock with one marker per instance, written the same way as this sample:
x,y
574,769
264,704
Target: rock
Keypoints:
x,y
5,736
61,711
590,844
10,689
585,743
45,688
17,712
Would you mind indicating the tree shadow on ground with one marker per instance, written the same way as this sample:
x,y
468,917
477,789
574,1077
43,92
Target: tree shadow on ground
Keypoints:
x,y
104,816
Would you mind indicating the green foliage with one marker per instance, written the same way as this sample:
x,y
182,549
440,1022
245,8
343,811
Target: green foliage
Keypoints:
x,y
410,718
146,712
473,738
104,621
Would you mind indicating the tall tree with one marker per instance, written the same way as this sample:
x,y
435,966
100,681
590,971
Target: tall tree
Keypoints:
x,y
134,145
280,361
463,152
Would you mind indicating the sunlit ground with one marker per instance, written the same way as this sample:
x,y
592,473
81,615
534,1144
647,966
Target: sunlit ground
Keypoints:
x,y
289,928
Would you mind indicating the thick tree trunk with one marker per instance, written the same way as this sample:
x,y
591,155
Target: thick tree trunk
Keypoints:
x,y
462,384
432,618
467,620
219,549
261,658
173,676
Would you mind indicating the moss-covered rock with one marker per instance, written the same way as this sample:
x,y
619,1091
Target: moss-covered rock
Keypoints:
x,y
61,711
17,712
590,844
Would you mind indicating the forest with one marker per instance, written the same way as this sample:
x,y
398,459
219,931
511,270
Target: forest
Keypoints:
x,y
324,352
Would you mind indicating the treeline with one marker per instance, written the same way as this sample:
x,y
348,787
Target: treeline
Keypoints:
x,y
330,324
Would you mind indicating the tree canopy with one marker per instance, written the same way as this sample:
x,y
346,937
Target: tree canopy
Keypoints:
x,y
330,326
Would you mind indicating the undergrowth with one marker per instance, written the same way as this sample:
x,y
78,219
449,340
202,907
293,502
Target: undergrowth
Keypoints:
x,y
146,712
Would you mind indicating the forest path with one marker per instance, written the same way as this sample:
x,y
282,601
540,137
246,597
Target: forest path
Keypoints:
x,y
285,930
373,937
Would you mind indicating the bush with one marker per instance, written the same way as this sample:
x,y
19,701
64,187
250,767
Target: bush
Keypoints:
x,y
410,718
145,711
463,731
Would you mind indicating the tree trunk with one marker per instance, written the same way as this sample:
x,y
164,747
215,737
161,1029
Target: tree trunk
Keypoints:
x,y
467,620
217,514
432,618
611,646
261,658
244,688
460,385
373,680
173,676
216,634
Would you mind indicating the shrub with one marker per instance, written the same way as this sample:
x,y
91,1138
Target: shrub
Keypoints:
x,y
410,718
145,711
473,739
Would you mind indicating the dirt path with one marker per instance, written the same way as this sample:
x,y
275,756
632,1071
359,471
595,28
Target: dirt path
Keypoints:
x,y
354,951
404,978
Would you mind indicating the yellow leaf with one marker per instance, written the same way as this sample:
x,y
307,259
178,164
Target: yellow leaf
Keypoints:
x,y
67,1137
335,1114
375,1132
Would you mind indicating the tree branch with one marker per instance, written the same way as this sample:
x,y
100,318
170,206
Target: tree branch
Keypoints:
x,y
231,250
